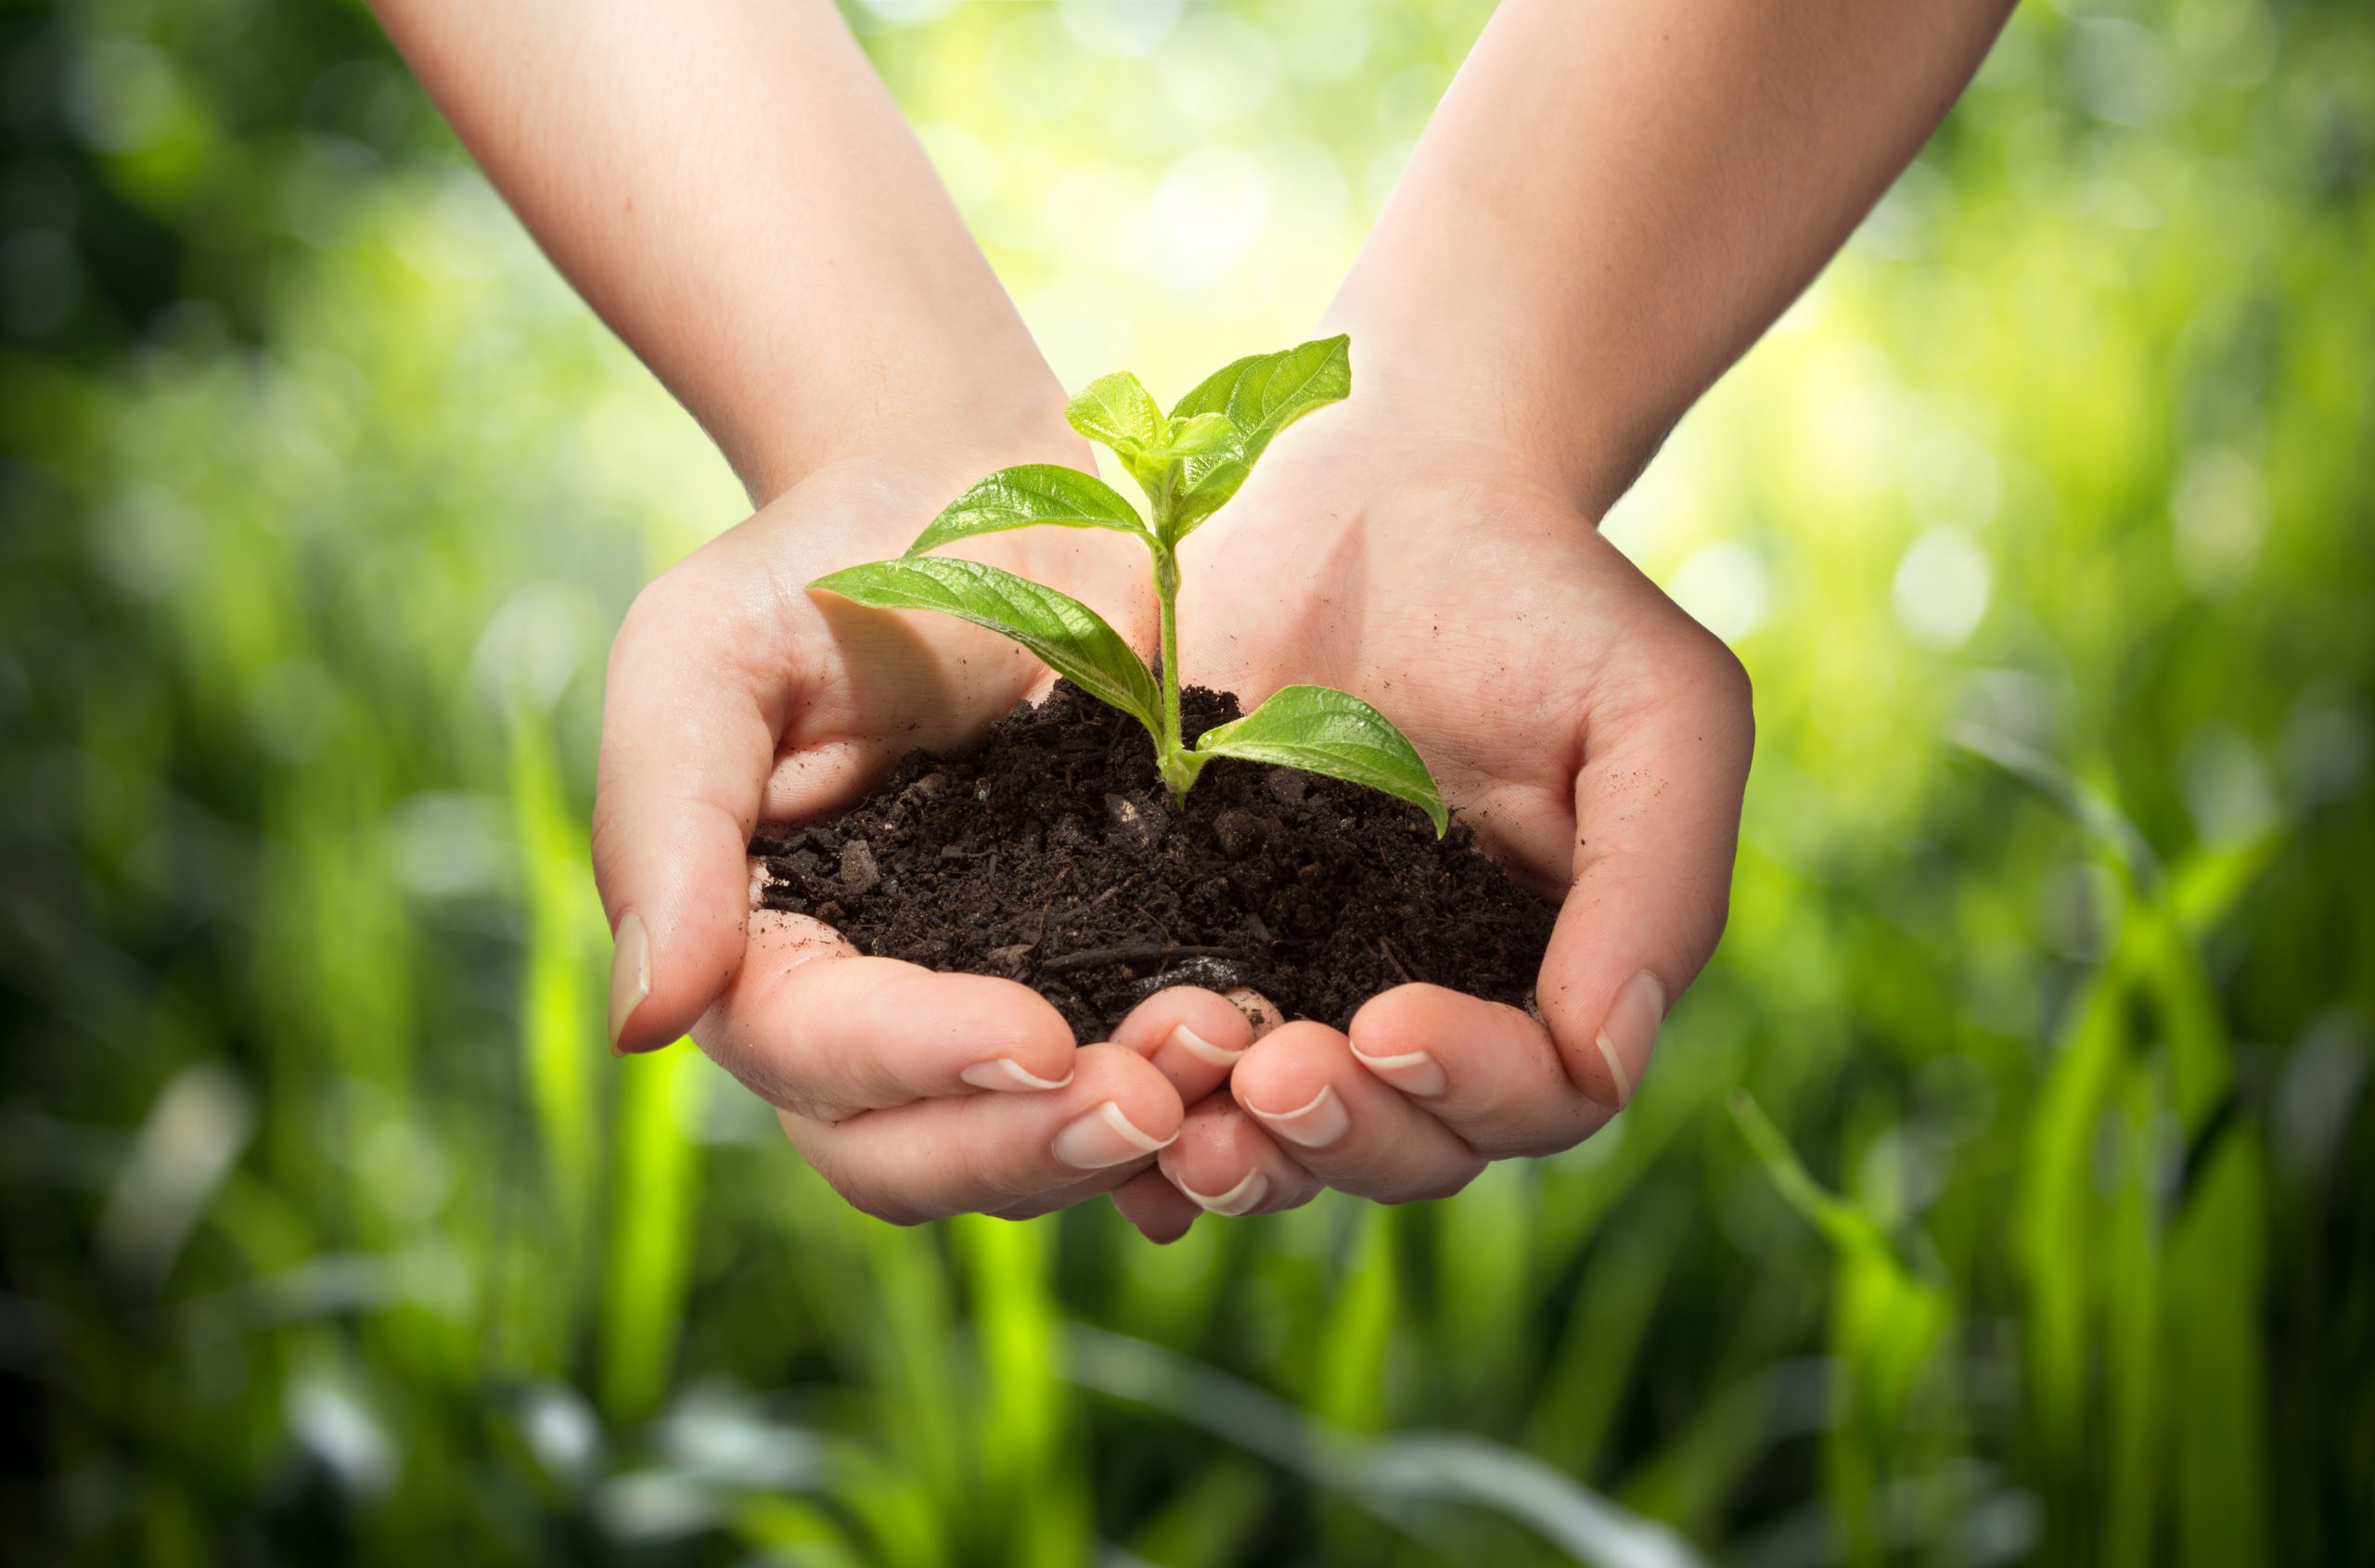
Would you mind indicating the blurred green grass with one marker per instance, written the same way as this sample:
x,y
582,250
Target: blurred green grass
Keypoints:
x,y
2002,1192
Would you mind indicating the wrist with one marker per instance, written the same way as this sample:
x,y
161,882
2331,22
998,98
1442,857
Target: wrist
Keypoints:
x,y
987,411
1447,387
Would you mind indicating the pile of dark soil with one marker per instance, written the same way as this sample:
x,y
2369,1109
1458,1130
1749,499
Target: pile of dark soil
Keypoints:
x,y
1052,856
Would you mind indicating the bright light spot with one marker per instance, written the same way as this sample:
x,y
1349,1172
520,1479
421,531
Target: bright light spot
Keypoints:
x,y
400,1161
1321,40
1036,67
341,1434
2327,752
1941,588
2123,201
532,648
123,95
2120,70
2227,786
2017,704
1899,225
2080,910
1806,312
294,708
1407,100
193,1135
150,541
1950,478
2216,518
472,233
1207,210
906,13
1309,184
1856,413
1130,31
1084,324
2317,1097
560,1430
2227,46
1220,69
451,845
1724,586
1085,215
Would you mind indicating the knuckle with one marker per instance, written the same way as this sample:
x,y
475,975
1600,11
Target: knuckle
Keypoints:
x,y
875,1201
1716,672
996,1177
1538,1147
702,605
876,1205
1445,1183
868,1198
662,604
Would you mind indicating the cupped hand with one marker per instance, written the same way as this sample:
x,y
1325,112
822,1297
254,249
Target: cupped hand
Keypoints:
x,y
1595,737
735,695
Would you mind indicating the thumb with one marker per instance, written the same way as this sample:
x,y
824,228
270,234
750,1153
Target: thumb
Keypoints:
x,y
1666,744
688,735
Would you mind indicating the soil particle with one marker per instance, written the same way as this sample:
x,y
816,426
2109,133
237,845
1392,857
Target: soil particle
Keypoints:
x,y
859,874
1241,832
1052,856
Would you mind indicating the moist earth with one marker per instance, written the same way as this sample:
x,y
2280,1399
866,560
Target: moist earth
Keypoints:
x,y
1052,855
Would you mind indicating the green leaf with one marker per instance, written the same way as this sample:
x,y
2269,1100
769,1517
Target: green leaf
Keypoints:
x,y
1191,449
1073,640
1025,496
1117,409
1262,394
1202,435
1322,730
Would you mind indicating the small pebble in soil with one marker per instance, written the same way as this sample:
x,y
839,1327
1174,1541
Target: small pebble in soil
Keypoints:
x,y
859,873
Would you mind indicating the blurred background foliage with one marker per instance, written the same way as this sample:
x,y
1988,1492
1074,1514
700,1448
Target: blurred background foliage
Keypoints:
x,y
2006,1191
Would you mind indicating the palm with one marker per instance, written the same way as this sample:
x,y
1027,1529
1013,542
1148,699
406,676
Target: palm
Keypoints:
x,y
1475,611
847,691
1592,734
734,693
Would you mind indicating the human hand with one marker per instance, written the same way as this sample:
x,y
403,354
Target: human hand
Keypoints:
x,y
1595,738
735,695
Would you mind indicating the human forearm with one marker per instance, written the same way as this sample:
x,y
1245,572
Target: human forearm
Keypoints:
x,y
1614,200
729,184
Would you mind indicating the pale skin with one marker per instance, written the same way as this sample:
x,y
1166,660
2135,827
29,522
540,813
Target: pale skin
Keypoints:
x,y
740,199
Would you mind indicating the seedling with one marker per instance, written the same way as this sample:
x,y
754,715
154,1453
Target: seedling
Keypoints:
x,y
1188,464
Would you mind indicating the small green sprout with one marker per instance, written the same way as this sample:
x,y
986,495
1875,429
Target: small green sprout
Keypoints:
x,y
1188,464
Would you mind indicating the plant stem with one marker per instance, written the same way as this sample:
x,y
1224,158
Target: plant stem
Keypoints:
x,y
1171,759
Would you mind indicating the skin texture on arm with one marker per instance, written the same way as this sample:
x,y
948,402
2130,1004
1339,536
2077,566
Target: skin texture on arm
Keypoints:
x,y
1612,203
729,184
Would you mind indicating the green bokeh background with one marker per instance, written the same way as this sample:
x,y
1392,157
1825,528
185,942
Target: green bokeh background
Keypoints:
x,y
2004,1191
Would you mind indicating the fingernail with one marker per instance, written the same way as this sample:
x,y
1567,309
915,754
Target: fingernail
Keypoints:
x,y
630,972
1195,1045
1243,1198
1412,1071
1315,1126
1006,1074
1630,1029
1104,1138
